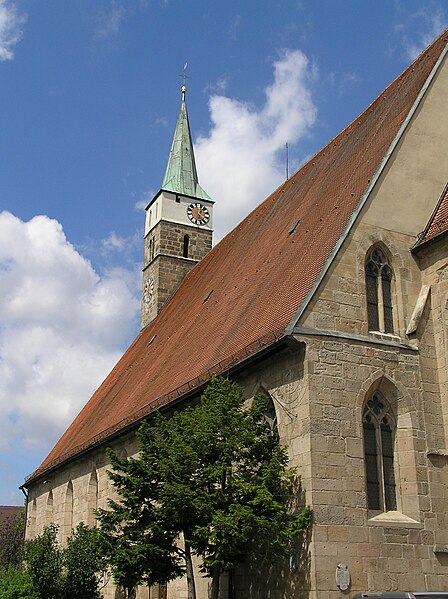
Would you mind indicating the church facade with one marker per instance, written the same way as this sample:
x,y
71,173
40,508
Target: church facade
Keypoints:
x,y
332,297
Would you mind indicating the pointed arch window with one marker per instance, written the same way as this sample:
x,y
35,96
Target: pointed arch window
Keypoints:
x,y
379,432
379,277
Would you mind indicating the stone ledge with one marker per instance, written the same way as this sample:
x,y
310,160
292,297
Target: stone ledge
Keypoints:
x,y
440,549
394,520
386,340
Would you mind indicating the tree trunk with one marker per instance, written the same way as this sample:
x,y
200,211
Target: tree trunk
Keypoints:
x,y
190,574
214,591
232,583
131,592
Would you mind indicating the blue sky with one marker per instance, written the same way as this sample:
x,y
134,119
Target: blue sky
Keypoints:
x,y
89,96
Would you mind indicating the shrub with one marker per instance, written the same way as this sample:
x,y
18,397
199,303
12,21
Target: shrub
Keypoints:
x,y
16,583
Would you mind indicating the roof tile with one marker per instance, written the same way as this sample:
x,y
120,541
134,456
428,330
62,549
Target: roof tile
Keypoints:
x,y
438,223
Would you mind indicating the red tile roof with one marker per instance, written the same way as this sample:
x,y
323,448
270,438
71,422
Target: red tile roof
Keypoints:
x,y
438,223
259,275
9,514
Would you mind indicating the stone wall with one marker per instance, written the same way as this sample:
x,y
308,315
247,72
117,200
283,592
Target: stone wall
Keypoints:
x,y
165,263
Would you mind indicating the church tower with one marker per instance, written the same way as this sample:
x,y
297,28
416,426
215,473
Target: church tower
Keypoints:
x,y
178,224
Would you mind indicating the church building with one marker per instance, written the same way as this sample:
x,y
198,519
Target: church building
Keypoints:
x,y
332,297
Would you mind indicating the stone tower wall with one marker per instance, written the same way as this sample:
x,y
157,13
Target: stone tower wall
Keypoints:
x,y
165,264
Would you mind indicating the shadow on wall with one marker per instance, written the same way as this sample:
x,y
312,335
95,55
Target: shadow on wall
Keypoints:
x,y
287,578
122,594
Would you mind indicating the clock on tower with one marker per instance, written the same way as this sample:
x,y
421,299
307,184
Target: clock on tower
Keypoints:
x,y
178,225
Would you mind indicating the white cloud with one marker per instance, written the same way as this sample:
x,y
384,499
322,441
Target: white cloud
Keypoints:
x,y
108,22
241,160
421,28
62,327
144,200
114,242
161,120
10,32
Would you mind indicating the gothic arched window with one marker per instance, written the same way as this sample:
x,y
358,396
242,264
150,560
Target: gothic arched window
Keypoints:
x,y
379,431
379,292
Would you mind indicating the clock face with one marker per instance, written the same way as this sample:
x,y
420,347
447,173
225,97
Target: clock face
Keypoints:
x,y
198,214
148,290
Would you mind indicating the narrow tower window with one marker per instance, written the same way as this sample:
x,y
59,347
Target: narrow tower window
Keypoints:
x,y
379,428
379,292
186,244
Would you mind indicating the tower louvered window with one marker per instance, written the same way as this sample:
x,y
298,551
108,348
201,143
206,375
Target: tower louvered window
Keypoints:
x,y
379,429
379,292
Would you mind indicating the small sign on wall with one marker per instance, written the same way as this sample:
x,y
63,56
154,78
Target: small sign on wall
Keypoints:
x,y
343,577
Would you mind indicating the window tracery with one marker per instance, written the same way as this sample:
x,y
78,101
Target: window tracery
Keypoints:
x,y
379,431
379,275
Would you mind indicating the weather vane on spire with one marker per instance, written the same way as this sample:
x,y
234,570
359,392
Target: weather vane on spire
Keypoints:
x,y
184,77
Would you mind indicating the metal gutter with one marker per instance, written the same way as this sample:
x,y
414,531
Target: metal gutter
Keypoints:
x,y
366,194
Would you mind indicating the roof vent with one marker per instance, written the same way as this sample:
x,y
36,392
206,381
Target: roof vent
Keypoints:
x,y
152,339
207,295
294,227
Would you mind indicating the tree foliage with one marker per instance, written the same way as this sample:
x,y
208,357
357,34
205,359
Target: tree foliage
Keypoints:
x,y
83,564
64,573
44,564
16,583
213,474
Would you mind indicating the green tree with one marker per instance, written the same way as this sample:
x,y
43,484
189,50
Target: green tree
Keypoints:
x,y
15,583
83,564
73,571
214,474
44,562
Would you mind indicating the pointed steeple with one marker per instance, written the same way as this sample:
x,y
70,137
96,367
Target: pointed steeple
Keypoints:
x,y
181,176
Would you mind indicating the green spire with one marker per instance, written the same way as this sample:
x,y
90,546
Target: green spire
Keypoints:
x,y
181,175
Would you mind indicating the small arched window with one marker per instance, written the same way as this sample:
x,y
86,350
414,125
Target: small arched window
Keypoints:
x,y
379,432
186,244
379,292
